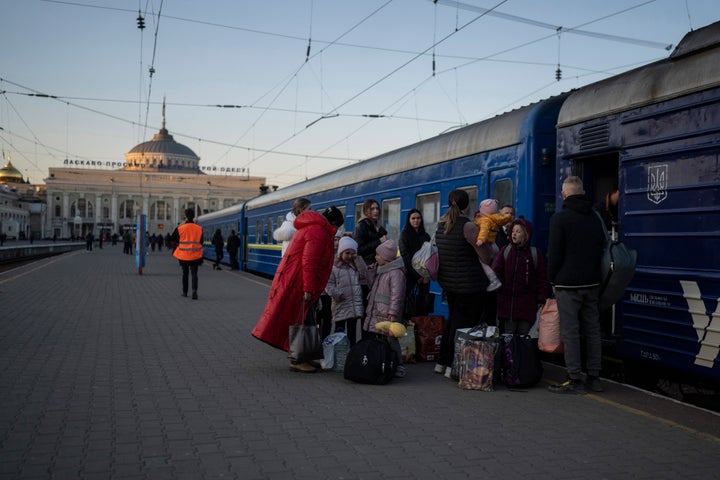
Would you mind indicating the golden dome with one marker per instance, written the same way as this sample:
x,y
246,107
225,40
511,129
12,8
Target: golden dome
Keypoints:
x,y
10,174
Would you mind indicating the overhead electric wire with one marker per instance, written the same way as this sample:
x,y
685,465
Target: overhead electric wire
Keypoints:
x,y
487,57
561,29
176,133
457,4
384,77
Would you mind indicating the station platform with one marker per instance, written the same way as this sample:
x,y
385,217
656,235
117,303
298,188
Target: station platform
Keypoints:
x,y
108,374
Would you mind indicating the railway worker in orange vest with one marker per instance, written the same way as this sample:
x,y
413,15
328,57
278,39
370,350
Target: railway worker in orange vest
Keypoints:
x,y
189,240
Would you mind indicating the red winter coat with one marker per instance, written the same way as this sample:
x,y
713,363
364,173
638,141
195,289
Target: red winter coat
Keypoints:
x,y
305,267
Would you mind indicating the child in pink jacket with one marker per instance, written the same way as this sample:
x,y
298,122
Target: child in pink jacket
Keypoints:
x,y
387,294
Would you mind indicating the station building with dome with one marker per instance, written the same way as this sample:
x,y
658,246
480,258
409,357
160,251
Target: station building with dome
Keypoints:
x,y
159,178
21,208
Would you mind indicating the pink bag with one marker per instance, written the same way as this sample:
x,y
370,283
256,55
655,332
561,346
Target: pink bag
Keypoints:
x,y
549,337
426,260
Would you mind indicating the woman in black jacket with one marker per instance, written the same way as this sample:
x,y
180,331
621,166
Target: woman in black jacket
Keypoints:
x,y
369,233
412,237
460,275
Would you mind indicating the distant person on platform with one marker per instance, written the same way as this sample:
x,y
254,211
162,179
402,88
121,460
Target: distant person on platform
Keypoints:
x,y
219,243
89,238
127,242
233,248
189,240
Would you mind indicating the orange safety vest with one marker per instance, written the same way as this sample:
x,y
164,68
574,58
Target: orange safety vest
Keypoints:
x,y
190,246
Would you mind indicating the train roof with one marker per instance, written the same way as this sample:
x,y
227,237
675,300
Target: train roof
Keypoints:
x,y
694,65
233,209
497,132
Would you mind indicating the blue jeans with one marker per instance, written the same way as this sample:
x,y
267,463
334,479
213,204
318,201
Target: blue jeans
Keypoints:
x,y
580,316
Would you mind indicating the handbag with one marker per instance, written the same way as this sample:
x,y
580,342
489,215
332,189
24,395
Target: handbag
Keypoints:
x,y
304,338
477,363
428,334
478,332
518,361
549,337
419,303
426,261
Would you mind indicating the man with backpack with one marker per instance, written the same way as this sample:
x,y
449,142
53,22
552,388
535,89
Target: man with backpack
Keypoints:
x,y
575,247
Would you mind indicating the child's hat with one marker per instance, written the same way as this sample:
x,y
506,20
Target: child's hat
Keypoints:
x,y
347,243
489,206
387,250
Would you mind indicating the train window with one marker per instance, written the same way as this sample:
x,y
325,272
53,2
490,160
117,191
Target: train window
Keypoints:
x,y
503,191
429,206
391,217
270,230
358,212
473,197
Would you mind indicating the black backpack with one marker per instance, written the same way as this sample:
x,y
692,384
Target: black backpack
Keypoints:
x,y
618,268
371,360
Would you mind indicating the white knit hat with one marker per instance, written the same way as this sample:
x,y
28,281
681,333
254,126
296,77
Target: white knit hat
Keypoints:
x,y
347,243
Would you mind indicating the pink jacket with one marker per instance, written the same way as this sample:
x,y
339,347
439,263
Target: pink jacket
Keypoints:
x,y
387,295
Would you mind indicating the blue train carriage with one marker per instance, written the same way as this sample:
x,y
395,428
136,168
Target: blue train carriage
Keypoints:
x,y
509,157
656,130
227,220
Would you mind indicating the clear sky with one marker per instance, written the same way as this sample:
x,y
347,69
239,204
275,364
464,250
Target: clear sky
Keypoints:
x,y
366,87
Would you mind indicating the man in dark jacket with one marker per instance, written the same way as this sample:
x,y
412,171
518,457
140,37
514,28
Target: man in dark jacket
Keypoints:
x,y
233,247
503,235
574,250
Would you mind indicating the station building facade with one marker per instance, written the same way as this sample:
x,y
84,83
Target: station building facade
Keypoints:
x,y
159,178
22,207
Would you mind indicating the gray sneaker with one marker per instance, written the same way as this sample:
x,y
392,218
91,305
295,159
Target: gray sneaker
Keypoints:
x,y
569,386
594,384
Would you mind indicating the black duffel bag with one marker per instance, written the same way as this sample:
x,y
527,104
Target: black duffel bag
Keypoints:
x,y
371,360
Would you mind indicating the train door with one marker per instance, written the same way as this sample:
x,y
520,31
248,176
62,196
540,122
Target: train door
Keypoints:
x,y
600,178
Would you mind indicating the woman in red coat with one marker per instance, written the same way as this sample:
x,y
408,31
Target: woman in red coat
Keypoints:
x,y
300,278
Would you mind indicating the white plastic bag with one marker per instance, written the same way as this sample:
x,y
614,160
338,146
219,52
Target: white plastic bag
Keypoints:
x,y
330,354
425,260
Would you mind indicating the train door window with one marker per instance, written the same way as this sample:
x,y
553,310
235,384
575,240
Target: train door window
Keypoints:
x,y
259,230
473,197
390,214
280,220
341,230
429,206
503,192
